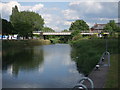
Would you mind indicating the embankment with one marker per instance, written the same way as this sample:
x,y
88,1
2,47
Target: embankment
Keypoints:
x,y
88,55
23,43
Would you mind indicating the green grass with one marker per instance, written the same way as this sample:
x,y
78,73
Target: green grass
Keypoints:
x,y
88,52
112,77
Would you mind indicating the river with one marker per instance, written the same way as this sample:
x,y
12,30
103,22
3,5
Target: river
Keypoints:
x,y
44,66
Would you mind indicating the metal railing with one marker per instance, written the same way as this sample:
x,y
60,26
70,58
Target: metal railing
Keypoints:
x,y
80,85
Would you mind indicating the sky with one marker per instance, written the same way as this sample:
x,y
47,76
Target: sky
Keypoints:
x,y
59,14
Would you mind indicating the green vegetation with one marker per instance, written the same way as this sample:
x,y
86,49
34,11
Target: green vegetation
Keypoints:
x,y
79,25
25,22
111,27
7,27
112,77
22,43
65,30
47,29
87,53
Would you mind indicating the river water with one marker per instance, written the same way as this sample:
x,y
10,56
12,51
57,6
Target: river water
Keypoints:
x,y
44,66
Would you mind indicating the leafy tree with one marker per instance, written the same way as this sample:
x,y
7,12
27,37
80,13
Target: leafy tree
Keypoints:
x,y
7,27
74,33
65,30
47,29
111,26
32,18
118,29
24,29
14,18
108,28
26,19
79,25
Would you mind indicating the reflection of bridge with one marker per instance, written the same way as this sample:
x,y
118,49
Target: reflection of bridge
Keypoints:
x,y
64,33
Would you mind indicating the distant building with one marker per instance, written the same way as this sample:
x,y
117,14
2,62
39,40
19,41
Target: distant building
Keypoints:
x,y
100,27
118,24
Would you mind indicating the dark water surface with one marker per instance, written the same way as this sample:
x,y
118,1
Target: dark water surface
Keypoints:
x,y
45,66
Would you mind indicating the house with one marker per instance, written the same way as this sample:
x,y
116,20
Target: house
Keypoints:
x,y
98,28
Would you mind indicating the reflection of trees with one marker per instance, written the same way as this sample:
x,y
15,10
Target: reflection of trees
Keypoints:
x,y
26,59
85,59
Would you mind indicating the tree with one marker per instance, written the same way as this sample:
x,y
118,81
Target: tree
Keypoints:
x,y
31,20
111,26
47,29
118,29
7,27
79,25
108,28
65,30
24,29
74,33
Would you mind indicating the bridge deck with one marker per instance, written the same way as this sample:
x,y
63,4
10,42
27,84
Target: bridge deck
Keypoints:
x,y
65,33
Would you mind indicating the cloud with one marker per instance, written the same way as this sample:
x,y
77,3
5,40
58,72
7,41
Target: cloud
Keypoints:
x,y
95,9
62,0
37,7
68,23
51,19
70,14
60,18
95,12
6,9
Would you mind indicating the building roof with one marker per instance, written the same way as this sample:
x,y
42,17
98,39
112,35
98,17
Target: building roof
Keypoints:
x,y
98,26
101,26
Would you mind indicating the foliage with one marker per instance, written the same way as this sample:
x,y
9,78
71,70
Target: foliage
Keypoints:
x,y
77,37
65,39
79,25
7,27
87,53
23,29
111,27
74,33
112,76
108,28
47,29
94,37
118,29
65,30
26,18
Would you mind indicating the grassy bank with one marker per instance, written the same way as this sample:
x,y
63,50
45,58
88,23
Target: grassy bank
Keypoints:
x,y
87,52
23,43
112,77
88,55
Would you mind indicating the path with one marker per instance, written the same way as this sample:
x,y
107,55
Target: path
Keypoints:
x,y
98,76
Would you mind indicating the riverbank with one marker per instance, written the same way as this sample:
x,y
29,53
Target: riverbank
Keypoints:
x,y
112,77
23,43
88,55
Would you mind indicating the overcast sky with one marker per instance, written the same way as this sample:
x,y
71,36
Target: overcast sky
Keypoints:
x,y
59,15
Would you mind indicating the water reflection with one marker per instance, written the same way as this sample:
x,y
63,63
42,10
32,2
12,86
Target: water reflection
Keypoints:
x,y
25,59
47,66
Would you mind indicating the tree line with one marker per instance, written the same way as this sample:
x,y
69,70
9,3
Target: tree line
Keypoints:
x,y
23,23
